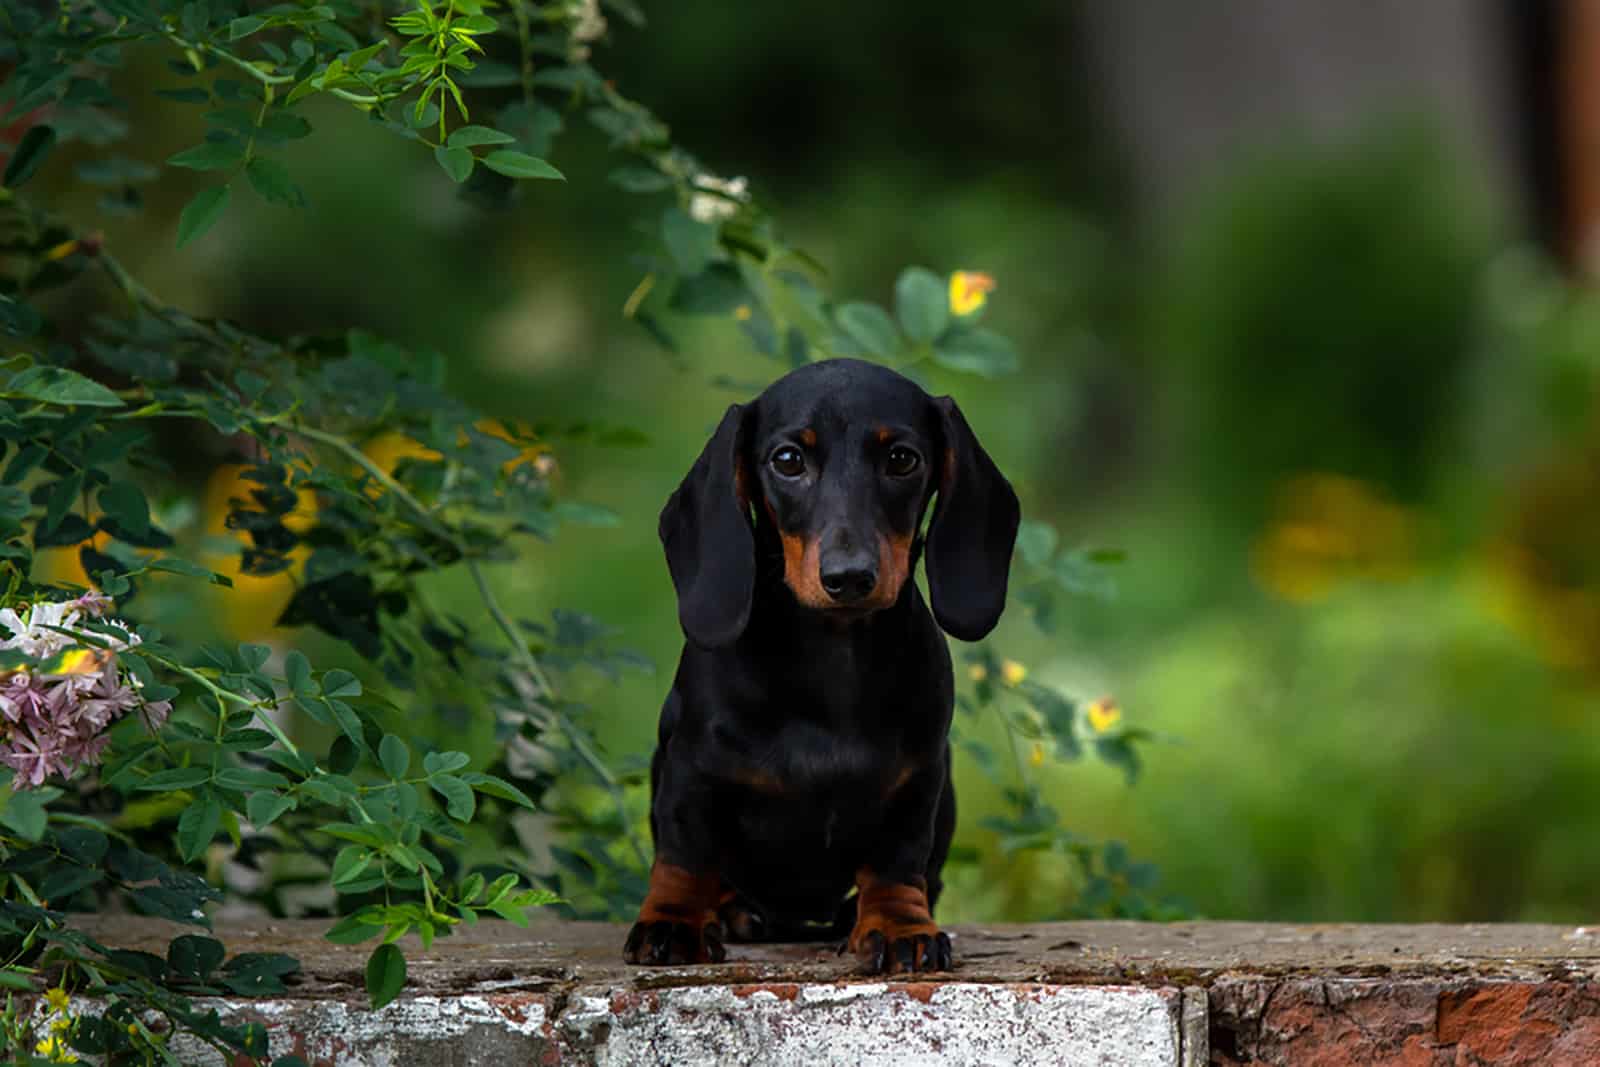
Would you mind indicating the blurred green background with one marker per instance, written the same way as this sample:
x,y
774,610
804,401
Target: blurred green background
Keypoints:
x,y
1294,338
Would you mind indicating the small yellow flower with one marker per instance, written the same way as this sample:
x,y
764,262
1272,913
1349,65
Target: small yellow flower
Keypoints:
x,y
57,999
61,251
742,312
1036,755
61,1023
55,1050
969,291
133,1030
977,672
1104,714
1012,672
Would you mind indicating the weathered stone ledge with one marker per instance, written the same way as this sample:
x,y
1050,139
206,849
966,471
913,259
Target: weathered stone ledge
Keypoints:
x,y
1123,993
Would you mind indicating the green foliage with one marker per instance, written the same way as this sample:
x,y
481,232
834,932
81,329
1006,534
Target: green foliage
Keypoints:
x,y
317,760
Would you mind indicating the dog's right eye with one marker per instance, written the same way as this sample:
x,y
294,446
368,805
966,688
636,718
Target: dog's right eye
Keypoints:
x,y
789,462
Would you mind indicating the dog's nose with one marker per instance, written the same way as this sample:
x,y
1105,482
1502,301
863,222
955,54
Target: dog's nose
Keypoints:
x,y
849,580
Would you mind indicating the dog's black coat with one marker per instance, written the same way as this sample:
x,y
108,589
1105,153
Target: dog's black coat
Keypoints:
x,y
804,746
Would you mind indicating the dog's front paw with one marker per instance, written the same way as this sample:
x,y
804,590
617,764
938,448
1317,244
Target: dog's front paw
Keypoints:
x,y
669,941
894,929
901,951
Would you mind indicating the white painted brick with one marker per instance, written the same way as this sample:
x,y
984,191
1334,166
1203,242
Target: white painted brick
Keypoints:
x,y
993,1025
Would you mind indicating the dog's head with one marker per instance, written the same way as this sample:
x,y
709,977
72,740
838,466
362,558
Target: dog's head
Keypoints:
x,y
839,460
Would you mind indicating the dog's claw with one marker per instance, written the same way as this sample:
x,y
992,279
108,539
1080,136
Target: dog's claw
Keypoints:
x,y
910,954
662,942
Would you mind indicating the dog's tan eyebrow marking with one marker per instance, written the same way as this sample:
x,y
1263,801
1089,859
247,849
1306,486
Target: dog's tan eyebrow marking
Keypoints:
x,y
808,437
883,435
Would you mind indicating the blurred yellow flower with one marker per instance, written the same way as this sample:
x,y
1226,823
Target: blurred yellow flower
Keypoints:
x,y
251,608
1325,529
742,313
1012,672
539,454
387,450
1036,755
1103,714
977,672
57,999
969,291
63,565
1543,566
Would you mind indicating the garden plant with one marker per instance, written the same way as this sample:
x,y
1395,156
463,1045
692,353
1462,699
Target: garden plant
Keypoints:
x,y
149,771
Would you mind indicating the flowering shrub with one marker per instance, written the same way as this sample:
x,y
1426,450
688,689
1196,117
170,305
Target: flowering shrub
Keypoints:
x,y
55,715
141,764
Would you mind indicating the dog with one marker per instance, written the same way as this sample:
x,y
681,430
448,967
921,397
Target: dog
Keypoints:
x,y
804,747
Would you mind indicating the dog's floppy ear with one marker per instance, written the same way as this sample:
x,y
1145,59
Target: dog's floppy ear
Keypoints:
x,y
972,533
711,552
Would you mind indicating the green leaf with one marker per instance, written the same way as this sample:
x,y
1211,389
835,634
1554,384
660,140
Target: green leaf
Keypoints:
x,y
64,880
498,889
269,178
18,318
189,570
869,326
444,762
717,290
691,244
1036,542
177,778
14,503
198,825
520,165
350,862
264,809
24,812
394,755
194,957
458,799
297,669
57,385
281,125
244,27
361,834
977,351
29,154
250,778
580,513
211,155
354,929
201,213
340,683
471,136
454,161
125,503
920,304
258,973
497,787
386,974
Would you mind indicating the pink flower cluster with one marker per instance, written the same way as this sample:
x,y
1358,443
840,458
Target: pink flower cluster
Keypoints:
x,y
55,723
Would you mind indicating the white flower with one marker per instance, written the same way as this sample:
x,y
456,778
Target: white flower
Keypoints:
x,y
32,636
720,200
588,24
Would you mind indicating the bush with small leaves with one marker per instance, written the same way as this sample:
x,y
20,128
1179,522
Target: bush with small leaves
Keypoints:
x,y
110,804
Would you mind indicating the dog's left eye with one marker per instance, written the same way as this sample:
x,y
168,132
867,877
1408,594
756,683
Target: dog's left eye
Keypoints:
x,y
902,461
788,462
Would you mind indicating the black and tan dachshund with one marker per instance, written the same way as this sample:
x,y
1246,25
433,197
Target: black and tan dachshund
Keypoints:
x,y
804,747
